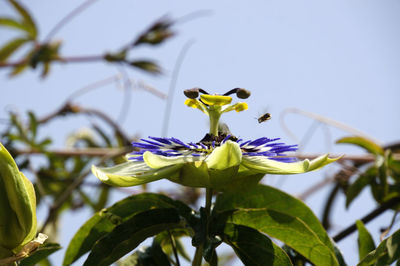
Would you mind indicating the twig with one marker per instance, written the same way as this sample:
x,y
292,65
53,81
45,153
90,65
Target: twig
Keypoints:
x,y
387,230
68,108
172,87
68,18
92,86
66,194
91,152
173,244
322,119
66,59
126,101
315,188
367,158
369,217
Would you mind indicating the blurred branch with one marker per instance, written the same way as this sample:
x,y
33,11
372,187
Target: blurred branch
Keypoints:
x,y
172,86
68,18
321,119
69,108
91,152
369,217
110,151
68,59
66,194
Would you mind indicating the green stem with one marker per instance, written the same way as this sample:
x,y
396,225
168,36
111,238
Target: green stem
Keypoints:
x,y
209,193
198,256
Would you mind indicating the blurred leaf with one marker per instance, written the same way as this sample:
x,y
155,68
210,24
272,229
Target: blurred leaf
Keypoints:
x,y
361,182
46,69
365,242
10,22
280,216
26,18
32,124
18,69
40,254
254,248
103,135
45,53
116,57
157,33
147,66
129,234
106,220
362,142
9,48
386,253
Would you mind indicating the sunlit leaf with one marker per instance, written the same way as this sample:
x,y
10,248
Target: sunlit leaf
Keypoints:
x,y
365,242
281,216
253,247
362,142
106,220
129,234
386,253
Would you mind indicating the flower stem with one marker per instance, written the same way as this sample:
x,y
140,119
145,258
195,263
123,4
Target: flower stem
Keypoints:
x,y
209,193
198,256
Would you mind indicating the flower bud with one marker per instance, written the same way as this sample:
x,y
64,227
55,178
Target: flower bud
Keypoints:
x,y
18,207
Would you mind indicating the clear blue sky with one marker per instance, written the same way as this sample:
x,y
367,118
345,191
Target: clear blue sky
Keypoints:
x,y
339,59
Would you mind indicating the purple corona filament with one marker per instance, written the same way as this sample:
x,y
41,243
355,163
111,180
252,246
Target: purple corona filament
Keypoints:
x,y
171,147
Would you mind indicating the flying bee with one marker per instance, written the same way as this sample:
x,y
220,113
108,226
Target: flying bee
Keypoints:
x,y
264,117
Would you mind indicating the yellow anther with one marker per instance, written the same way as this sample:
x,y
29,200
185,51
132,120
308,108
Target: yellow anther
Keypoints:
x,y
241,107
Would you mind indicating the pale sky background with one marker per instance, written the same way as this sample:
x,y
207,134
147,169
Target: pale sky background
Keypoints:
x,y
339,59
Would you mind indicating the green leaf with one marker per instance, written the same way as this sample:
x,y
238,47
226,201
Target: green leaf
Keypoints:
x,y
362,181
41,253
9,48
106,220
129,234
11,23
18,221
362,142
386,253
365,242
254,248
281,216
26,18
